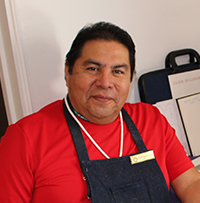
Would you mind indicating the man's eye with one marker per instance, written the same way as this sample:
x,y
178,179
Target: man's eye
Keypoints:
x,y
118,71
92,68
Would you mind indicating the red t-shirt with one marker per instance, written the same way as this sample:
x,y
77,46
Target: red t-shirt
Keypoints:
x,y
39,163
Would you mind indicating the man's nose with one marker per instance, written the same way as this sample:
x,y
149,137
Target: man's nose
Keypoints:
x,y
104,80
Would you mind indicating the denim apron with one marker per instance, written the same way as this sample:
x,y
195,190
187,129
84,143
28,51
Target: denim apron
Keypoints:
x,y
120,180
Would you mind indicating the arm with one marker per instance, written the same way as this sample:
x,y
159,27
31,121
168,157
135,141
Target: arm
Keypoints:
x,y
187,186
16,182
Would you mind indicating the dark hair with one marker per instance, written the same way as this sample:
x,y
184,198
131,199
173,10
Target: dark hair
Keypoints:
x,y
100,30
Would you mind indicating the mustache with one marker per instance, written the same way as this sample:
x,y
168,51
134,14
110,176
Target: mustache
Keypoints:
x,y
103,95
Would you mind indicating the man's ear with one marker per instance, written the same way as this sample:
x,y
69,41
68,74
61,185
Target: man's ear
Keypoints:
x,y
66,74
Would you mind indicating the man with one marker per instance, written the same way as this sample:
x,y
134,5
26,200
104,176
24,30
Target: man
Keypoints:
x,y
92,146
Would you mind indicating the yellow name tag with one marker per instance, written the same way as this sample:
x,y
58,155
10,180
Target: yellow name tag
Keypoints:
x,y
145,156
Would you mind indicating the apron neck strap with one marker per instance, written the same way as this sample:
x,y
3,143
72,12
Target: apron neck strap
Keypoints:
x,y
78,138
76,134
134,131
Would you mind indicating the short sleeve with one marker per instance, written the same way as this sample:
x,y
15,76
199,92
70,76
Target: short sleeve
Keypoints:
x,y
176,158
16,167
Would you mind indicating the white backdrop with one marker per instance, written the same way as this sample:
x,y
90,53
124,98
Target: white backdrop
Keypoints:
x,y
45,30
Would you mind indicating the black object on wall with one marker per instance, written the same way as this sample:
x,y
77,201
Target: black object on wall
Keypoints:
x,y
3,116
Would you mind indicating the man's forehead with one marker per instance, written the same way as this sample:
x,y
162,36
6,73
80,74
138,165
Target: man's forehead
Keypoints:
x,y
94,42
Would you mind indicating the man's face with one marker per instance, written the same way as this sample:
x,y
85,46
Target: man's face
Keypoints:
x,y
99,84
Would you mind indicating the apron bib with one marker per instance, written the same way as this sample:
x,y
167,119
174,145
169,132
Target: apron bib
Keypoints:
x,y
132,178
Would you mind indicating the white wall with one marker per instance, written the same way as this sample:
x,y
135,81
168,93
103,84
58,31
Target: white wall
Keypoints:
x,y
42,32
8,75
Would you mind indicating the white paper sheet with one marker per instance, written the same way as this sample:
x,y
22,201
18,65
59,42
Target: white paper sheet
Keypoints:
x,y
190,112
170,110
196,162
185,83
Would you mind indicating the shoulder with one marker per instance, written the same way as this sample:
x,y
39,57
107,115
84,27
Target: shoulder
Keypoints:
x,y
51,113
141,109
146,116
47,124
52,109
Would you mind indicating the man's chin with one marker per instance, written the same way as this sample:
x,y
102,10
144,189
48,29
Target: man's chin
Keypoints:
x,y
102,115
